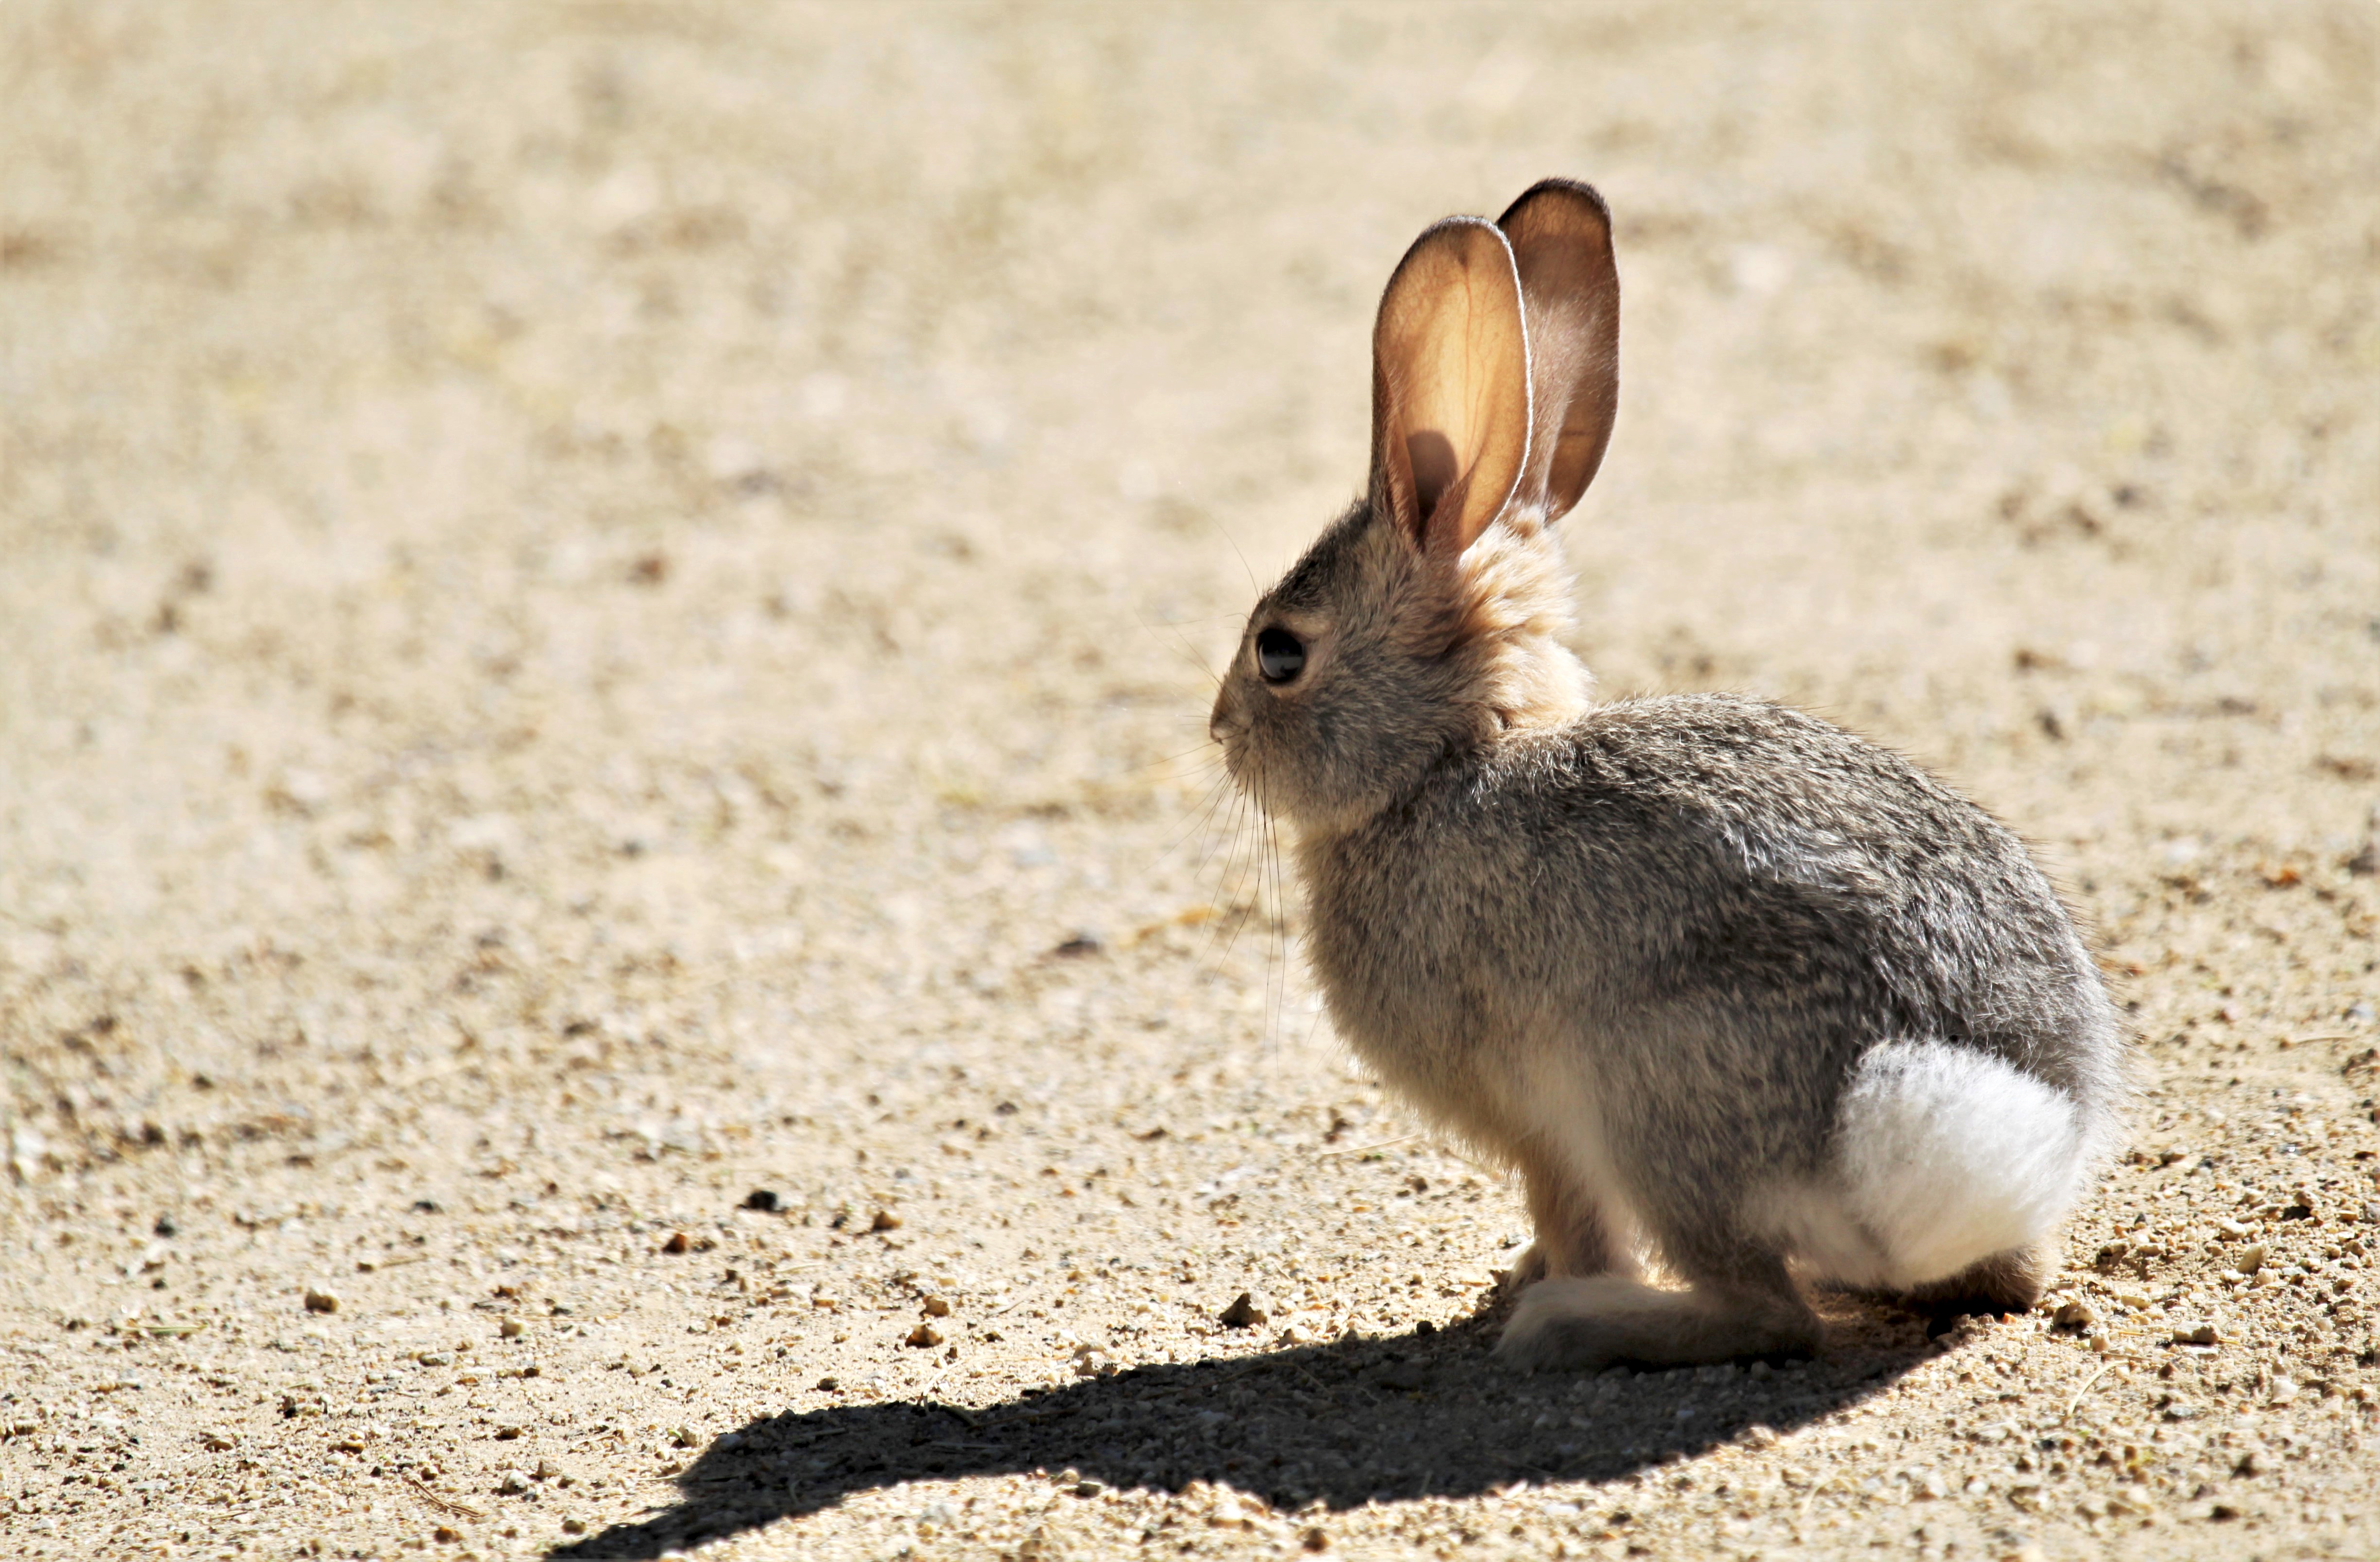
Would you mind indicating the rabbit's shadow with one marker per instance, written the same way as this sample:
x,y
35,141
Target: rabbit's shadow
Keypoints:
x,y
1398,1418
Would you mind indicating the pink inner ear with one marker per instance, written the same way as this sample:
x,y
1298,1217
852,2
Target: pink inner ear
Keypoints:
x,y
1430,455
1450,384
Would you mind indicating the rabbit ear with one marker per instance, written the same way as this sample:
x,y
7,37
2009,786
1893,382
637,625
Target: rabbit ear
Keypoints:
x,y
1560,233
1450,386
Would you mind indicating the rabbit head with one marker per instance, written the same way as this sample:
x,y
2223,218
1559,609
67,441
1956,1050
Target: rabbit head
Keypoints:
x,y
1429,618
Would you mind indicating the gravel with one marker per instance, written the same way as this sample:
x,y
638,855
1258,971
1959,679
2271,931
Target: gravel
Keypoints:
x,y
615,933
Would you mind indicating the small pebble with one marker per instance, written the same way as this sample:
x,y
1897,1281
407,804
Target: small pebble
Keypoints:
x,y
512,1486
786,961
1241,1313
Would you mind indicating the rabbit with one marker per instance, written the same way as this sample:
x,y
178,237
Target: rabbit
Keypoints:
x,y
1732,990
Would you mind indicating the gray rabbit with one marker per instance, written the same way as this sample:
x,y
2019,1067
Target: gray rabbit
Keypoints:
x,y
1732,989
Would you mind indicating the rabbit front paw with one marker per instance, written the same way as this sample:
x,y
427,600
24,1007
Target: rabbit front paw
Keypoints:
x,y
1528,1269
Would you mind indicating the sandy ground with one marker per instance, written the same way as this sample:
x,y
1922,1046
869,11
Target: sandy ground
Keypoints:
x,y
602,609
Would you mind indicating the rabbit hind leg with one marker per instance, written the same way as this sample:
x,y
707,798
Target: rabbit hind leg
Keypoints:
x,y
2007,1282
1591,1309
1581,1323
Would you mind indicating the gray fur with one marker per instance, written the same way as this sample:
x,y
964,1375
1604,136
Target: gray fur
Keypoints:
x,y
1701,912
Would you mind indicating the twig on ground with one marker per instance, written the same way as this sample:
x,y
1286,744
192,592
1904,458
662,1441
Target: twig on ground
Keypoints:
x,y
1365,1149
2075,1403
443,1504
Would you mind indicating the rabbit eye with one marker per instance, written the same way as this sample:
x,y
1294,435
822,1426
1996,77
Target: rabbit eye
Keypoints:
x,y
1280,656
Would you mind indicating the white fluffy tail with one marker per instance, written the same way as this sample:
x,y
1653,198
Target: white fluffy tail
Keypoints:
x,y
1945,1156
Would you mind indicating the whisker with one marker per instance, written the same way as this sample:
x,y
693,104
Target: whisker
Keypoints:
x,y
1206,812
1236,916
1270,887
1215,853
1207,853
1254,868
1215,949
1237,923
1262,865
1187,650
1208,748
1243,558
1277,977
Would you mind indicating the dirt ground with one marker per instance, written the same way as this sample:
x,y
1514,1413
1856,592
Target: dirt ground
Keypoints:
x,y
615,934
